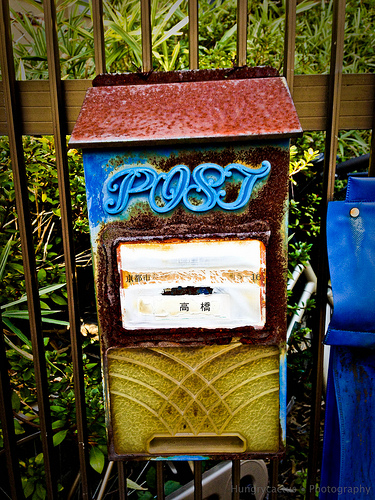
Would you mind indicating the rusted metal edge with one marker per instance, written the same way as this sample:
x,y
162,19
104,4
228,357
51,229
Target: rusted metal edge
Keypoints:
x,y
263,236
191,75
166,142
112,455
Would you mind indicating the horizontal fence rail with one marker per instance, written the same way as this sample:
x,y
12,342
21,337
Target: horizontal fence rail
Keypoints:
x,y
50,107
310,98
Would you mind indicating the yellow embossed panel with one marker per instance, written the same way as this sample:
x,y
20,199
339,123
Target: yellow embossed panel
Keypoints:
x,y
194,400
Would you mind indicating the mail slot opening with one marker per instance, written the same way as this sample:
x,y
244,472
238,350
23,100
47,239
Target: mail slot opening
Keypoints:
x,y
197,283
188,290
197,444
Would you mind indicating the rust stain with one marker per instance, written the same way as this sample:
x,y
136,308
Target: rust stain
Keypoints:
x,y
194,111
263,219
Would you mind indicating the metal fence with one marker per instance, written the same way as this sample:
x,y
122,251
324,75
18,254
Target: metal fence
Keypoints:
x,y
324,102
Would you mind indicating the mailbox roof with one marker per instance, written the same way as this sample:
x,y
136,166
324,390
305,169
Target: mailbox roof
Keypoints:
x,y
199,111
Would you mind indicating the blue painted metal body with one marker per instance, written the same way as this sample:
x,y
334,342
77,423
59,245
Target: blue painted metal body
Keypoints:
x,y
117,180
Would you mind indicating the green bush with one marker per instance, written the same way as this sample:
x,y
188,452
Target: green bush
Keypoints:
x,y
217,36
44,207
62,405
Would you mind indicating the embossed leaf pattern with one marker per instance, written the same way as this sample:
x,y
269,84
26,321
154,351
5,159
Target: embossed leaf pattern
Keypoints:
x,y
211,390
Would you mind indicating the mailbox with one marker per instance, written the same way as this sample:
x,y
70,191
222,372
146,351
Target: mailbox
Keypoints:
x,y
187,184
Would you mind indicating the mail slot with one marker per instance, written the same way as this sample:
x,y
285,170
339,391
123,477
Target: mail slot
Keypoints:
x,y
187,183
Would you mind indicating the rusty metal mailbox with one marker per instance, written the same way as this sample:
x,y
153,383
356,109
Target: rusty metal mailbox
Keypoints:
x,y
187,183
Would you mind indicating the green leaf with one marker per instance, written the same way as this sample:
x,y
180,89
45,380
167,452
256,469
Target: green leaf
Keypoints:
x,y
40,490
58,299
17,267
97,459
28,374
39,459
18,429
151,477
23,353
42,274
146,495
90,365
16,402
28,488
227,35
172,32
57,424
50,288
170,487
55,321
59,437
42,291
17,331
57,408
134,486
4,256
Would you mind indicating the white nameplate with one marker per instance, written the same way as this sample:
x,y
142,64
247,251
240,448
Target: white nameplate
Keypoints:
x,y
192,284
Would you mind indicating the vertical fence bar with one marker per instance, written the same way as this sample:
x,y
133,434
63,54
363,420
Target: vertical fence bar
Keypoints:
x,y
160,481
274,478
99,46
7,425
290,42
193,35
146,35
58,118
123,492
236,478
197,480
333,112
28,255
241,32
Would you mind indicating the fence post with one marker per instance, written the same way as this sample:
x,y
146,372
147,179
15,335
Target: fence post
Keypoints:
x,y
14,122
97,17
333,113
193,35
146,31
290,42
6,417
241,32
58,119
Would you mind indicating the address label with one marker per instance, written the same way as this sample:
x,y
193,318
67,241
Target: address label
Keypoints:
x,y
192,284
